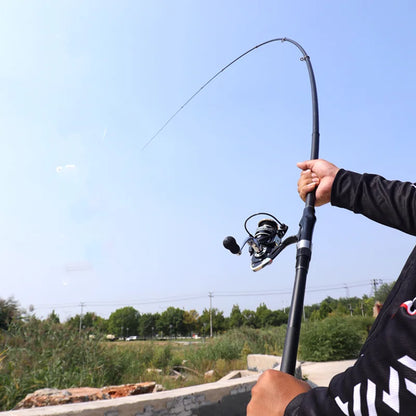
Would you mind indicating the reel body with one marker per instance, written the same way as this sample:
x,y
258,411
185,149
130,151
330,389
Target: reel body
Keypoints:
x,y
265,244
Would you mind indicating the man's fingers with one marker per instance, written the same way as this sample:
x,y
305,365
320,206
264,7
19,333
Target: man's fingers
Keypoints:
x,y
308,175
305,189
307,183
273,392
317,172
307,164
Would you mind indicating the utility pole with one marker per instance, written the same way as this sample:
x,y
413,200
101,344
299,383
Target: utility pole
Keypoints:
x,y
374,283
210,313
80,317
347,290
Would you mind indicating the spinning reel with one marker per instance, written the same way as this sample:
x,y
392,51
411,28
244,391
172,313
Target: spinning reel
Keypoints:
x,y
265,244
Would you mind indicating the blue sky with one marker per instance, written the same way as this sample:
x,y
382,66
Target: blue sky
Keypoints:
x,y
87,216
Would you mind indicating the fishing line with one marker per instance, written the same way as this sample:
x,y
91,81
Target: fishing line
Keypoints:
x,y
305,56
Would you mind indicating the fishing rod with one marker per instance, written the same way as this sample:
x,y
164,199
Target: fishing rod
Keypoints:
x,y
267,241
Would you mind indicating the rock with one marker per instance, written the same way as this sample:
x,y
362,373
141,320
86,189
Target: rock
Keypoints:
x,y
129,389
176,375
155,370
209,375
51,397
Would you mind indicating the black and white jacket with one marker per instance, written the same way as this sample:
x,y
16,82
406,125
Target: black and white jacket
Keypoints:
x,y
383,380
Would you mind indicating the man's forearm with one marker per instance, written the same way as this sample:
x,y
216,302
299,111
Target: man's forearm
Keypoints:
x,y
392,203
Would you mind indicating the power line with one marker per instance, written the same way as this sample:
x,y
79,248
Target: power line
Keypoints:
x,y
340,286
224,294
123,303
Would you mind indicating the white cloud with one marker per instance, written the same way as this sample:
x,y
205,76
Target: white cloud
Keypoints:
x,y
80,266
61,169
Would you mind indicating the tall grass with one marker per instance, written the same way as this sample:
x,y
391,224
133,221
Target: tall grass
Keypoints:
x,y
42,354
39,354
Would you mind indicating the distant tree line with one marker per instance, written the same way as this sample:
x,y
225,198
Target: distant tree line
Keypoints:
x,y
175,322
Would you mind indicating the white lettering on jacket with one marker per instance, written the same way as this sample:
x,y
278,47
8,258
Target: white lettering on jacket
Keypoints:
x,y
390,397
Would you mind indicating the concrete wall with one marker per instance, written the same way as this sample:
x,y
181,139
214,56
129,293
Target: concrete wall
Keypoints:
x,y
224,397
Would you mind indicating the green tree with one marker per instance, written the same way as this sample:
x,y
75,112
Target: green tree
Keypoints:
x,y
367,305
249,318
264,316
171,322
310,309
124,322
383,291
100,325
236,317
147,327
325,309
218,320
9,312
89,319
190,320
278,318
341,310
73,322
53,317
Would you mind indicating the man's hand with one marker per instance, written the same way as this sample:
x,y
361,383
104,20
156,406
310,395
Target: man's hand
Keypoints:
x,y
318,174
273,392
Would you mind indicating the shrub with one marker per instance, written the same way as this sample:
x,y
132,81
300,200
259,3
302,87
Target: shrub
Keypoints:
x,y
234,345
334,338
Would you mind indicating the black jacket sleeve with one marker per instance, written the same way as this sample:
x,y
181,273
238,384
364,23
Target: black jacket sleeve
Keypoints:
x,y
392,203
383,380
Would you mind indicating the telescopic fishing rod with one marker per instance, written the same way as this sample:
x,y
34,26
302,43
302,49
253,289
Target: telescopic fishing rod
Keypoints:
x,y
267,241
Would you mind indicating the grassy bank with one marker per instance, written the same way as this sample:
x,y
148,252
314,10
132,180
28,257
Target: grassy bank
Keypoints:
x,y
39,354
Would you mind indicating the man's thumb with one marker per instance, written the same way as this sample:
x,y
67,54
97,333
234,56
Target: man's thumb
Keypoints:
x,y
307,164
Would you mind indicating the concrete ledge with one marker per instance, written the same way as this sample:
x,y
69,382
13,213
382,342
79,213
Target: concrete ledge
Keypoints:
x,y
320,374
263,362
226,397
238,374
